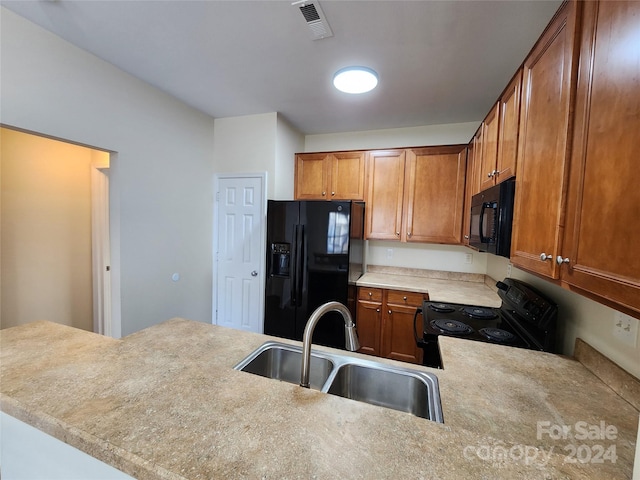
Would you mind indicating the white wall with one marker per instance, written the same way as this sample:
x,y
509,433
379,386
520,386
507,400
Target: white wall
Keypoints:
x,y
160,178
289,142
258,143
450,134
579,317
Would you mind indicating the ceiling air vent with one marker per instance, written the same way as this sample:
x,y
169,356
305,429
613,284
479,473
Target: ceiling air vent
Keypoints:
x,y
314,16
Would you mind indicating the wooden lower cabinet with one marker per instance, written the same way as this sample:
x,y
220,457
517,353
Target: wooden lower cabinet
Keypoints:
x,y
384,321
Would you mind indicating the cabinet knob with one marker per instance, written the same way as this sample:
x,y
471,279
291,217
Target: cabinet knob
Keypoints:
x,y
544,256
404,298
397,234
389,312
490,174
467,237
409,234
333,194
560,260
495,172
370,293
377,310
324,194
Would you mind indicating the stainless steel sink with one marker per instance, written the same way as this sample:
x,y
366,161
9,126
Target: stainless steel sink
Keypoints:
x,y
404,389
283,362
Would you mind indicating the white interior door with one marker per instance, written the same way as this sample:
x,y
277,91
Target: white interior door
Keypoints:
x,y
239,252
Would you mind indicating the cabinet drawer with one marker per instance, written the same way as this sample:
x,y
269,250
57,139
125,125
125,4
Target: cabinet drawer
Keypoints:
x,y
406,298
370,294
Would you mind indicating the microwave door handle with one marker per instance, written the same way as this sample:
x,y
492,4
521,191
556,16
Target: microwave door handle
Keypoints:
x,y
483,239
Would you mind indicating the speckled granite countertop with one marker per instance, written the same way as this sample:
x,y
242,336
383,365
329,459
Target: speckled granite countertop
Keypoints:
x,y
451,287
165,403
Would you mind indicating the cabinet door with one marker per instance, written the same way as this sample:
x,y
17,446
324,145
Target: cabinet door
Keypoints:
x,y
398,339
385,186
544,127
477,162
468,192
434,194
490,129
368,325
603,214
347,176
311,176
509,119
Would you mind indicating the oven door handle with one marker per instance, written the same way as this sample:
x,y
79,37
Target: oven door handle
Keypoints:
x,y
415,327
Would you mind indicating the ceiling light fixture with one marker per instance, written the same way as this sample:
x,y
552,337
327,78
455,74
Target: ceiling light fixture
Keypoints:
x,y
355,79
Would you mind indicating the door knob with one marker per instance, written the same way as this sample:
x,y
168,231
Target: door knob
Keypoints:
x,y
254,273
544,256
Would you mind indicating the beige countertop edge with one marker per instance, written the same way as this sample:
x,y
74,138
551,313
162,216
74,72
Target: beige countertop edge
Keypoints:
x,y
480,410
102,450
441,290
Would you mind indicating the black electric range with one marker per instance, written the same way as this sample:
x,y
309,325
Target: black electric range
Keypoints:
x,y
526,319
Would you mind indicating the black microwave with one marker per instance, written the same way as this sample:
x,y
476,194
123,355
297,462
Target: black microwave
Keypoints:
x,y
491,219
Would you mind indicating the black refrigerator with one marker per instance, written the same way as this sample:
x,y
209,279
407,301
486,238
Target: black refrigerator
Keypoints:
x,y
315,254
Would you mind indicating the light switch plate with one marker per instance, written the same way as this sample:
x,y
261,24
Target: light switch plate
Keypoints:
x,y
625,329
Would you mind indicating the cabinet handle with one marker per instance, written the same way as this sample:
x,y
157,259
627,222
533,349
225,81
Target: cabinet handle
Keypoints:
x,y
544,256
560,260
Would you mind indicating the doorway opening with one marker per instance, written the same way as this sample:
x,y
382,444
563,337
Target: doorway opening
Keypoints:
x,y
55,234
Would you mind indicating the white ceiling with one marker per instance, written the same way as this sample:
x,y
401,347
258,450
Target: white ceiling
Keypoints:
x,y
438,61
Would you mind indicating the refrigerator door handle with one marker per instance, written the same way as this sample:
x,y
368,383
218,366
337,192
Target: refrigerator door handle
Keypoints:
x,y
294,267
299,268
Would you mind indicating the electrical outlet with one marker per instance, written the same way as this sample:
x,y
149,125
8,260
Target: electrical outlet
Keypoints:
x,y
468,258
389,253
625,328
509,270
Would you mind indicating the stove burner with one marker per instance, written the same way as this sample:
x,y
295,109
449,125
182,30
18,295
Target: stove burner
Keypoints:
x,y
498,335
441,307
479,312
452,326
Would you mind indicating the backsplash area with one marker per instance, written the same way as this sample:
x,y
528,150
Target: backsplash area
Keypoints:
x,y
450,258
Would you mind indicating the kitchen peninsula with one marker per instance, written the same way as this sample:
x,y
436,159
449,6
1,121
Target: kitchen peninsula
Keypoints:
x,y
166,403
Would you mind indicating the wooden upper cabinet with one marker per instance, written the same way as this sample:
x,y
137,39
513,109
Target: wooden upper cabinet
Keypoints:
x,y
311,176
347,176
603,208
490,128
434,194
500,137
476,173
509,128
385,186
416,195
329,176
548,75
468,193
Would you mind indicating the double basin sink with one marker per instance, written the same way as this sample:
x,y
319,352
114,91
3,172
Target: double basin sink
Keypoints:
x,y
402,389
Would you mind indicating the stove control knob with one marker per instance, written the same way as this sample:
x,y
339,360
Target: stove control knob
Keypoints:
x,y
544,256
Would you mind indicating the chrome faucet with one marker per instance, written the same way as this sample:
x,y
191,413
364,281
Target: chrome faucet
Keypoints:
x,y
351,337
